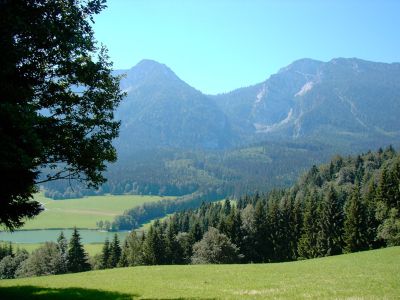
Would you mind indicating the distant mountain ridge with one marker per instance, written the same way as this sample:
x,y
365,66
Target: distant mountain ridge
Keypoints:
x,y
345,101
161,110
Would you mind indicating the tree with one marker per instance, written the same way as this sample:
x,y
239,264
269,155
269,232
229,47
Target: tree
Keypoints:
x,y
57,100
215,248
173,250
6,249
307,247
115,252
131,250
62,245
355,223
10,264
260,232
331,225
154,246
43,261
77,257
105,255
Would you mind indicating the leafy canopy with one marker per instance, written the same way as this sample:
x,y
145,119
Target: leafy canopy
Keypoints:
x,y
57,100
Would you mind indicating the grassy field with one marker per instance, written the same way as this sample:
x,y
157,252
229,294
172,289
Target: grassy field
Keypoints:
x,y
365,275
84,212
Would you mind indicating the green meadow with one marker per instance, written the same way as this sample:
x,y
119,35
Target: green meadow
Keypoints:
x,y
365,275
84,212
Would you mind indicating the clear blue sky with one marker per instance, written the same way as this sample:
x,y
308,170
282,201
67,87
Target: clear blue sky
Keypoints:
x,y
219,45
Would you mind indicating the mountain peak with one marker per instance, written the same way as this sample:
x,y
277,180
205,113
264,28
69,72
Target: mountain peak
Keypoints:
x,y
147,72
304,65
148,67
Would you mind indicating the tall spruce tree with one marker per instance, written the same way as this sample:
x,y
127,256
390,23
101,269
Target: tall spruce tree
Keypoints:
x,y
105,255
115,251
260,232
331,224
173,250
355,223
154,247
77,257
307,247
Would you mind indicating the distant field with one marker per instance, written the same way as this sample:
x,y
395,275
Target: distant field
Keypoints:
x,y
84,212
365,275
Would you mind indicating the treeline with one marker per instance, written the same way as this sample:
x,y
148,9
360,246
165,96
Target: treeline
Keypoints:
x,y
51,258
139,215
351,204
172,172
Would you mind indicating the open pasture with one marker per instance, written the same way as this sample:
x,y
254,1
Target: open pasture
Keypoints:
x,y
364,275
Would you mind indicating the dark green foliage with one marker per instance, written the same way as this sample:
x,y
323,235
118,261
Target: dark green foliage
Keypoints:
x,y
178,172
215,248
57,101
307,247
355,223
115,252
314,218
5,250
330,233
105,255
77,257
154,246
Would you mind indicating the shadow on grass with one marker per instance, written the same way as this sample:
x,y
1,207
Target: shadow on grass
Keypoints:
x,y
43,293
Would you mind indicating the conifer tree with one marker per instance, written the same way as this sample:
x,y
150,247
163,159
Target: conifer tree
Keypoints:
x,y
105,255
77,257
173,250
372,222
196,233
115,251
234,228
260,232
154,247
331,224
307,247
355,223
124,262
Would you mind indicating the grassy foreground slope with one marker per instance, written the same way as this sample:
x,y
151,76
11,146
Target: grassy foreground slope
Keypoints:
x,y
84,212
365,275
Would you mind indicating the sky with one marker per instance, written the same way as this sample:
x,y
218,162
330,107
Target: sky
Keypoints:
x,y
219,45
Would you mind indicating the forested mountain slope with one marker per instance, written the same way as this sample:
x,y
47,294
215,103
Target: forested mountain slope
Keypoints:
x,y
174,140
348,205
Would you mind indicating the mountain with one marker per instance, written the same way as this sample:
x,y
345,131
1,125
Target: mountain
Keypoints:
x,y
174,140
161,110
343,101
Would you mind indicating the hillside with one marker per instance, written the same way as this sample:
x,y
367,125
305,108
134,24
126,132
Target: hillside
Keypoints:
x,y
364,275
343,102
174,140
161,110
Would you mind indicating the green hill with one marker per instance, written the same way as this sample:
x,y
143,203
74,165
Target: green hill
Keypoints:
x,y
365,275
